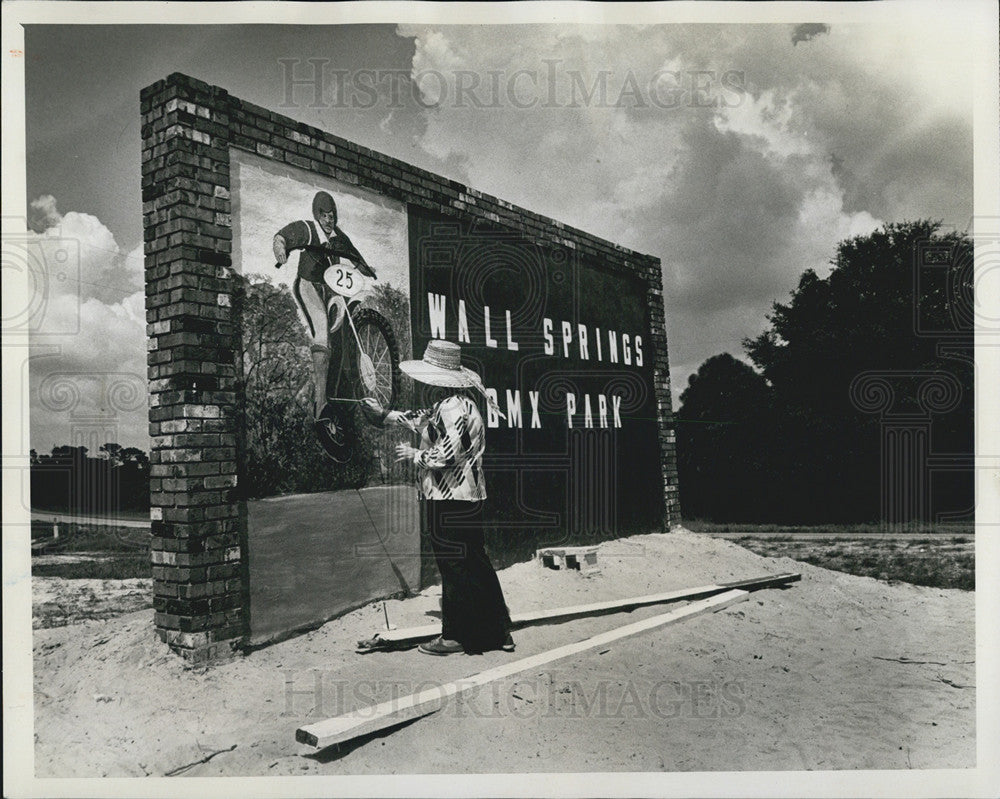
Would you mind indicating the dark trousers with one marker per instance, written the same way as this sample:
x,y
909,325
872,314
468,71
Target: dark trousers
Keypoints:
x,y
473,611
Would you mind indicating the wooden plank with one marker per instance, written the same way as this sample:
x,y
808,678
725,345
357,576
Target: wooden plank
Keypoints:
x,y
367,720
412,635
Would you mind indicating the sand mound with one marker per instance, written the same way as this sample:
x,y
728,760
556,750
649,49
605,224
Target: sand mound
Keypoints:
x,y
835,672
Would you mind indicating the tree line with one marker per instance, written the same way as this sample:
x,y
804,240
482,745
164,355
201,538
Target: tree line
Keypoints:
x,y
68,480
802,430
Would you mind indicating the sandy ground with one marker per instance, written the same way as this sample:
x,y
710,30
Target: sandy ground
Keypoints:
x,y
836,672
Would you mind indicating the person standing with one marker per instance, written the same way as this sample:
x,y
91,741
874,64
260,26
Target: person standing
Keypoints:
x,y
474,614
323,244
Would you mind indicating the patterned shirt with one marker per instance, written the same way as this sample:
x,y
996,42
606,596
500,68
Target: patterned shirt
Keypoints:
x,y
452,442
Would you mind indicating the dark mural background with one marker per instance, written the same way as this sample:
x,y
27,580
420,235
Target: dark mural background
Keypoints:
x,y
546,484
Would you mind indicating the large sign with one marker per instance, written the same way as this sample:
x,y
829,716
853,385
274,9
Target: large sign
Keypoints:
x,y
564,346
288,272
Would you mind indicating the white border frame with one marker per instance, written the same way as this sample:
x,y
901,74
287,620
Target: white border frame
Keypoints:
x,y
979,16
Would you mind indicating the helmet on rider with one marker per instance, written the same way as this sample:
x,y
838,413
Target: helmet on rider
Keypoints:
x,y
325,211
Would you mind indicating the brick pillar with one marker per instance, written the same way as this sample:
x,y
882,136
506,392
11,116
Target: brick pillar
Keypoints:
x,y
661,386
199,600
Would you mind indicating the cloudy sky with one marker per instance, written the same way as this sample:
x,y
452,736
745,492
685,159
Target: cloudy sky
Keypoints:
x,y
738,154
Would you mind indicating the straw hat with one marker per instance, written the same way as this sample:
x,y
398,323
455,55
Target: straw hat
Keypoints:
x,y
441,366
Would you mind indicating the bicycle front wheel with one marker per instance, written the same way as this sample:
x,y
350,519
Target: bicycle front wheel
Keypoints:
x,y
376,364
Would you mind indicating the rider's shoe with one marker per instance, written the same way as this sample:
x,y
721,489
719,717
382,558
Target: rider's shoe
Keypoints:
x,y
331,437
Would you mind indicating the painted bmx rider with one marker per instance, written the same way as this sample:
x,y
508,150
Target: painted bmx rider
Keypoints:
x,y
322,244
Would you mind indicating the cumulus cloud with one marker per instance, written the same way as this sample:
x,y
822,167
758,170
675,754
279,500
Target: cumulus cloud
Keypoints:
x,y
737,158
81,254
43,214
87,374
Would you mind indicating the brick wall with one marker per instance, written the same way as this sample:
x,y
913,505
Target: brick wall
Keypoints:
x,y
188,130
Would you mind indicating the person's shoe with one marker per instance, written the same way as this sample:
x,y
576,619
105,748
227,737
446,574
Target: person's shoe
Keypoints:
x,y
508,643
441,646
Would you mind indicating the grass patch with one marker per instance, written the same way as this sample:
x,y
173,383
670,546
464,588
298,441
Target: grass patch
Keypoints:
x,y
939,556
88,538
958,529
118,553
937,564
116,567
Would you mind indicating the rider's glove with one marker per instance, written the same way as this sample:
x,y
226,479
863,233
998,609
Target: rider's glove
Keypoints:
x,y
373,411
280,254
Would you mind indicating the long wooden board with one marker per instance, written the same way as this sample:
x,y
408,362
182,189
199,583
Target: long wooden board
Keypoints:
x,y
367,720
414,635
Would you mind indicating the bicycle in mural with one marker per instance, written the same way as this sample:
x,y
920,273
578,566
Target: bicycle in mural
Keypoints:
x,y
371,355
350,361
